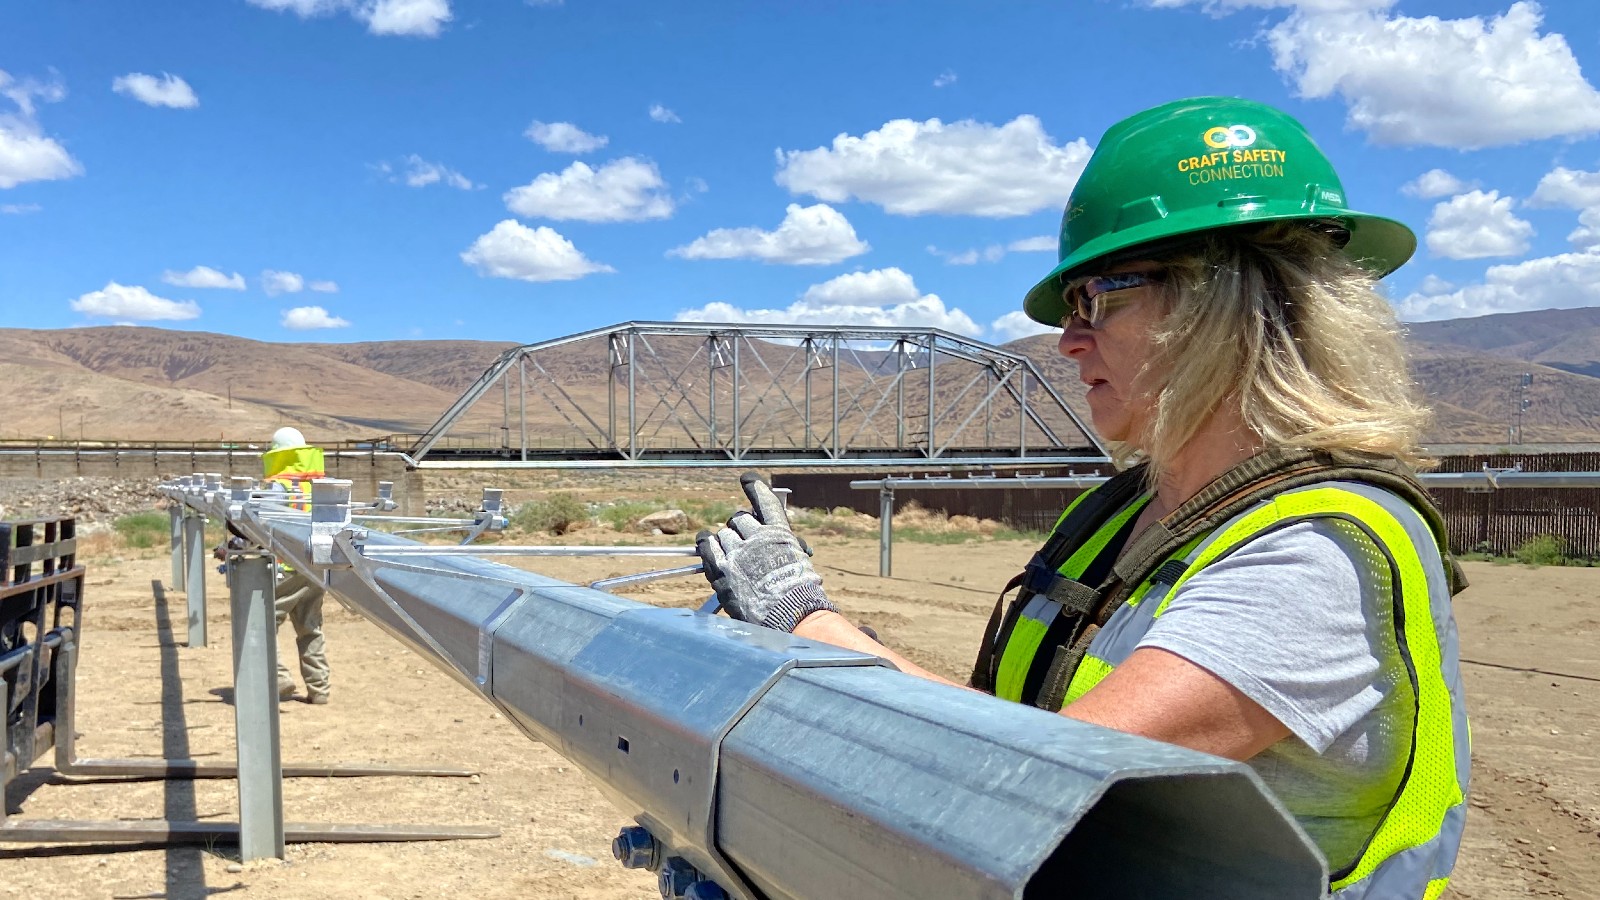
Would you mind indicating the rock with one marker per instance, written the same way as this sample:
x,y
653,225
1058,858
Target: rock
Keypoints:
x,y
233,868
669,521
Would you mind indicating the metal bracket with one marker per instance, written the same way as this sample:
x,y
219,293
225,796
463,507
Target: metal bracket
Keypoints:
x,y
488,518
330,517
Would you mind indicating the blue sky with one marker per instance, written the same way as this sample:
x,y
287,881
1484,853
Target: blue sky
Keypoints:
x,y
494,169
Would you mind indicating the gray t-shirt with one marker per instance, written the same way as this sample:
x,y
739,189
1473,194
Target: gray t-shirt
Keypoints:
x,y
1301,620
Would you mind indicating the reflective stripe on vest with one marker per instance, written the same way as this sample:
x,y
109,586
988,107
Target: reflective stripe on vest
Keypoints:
x,y
1415,846
1017,658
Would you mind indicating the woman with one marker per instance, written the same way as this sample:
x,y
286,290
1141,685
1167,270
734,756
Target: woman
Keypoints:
x,y
1266,581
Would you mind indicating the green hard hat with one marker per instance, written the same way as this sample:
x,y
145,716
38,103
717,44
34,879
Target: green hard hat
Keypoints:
x,y
1195,165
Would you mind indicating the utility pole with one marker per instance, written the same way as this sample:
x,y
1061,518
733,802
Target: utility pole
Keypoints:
x,y
1521,402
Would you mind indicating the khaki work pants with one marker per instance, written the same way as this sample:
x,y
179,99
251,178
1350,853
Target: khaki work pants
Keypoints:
x,y
300,601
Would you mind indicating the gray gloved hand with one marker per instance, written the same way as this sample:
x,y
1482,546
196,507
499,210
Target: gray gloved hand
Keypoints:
x,y
758,566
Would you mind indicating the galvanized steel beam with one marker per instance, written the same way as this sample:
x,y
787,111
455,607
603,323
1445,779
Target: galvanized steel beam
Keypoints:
x,y
777,767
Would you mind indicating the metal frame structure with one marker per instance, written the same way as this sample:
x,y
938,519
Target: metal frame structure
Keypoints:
x,y
761,766
1486,480
777,394
39,663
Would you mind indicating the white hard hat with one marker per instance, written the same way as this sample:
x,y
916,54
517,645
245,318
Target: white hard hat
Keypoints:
x,y
286,437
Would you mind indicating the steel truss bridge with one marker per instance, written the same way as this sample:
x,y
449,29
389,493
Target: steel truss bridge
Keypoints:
x,y
720,394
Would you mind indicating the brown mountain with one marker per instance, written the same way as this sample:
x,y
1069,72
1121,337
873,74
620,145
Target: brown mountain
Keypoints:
x,y
1567,339
139,383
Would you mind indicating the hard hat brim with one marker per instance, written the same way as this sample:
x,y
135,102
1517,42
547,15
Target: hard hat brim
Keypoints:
x,y
1377,243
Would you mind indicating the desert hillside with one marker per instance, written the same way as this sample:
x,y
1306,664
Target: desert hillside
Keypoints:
x,y
136,383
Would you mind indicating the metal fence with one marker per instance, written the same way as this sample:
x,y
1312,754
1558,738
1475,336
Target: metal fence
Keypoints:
x,y
1477,517
1501,521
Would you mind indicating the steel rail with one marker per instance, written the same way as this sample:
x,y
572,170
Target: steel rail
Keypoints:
x,y
769,766
1487,479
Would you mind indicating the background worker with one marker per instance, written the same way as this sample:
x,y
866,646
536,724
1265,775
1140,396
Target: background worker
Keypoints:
x,y
289,465
1265,581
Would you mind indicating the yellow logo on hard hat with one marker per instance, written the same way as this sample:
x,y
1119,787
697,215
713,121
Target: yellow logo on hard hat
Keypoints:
x,y
1223,137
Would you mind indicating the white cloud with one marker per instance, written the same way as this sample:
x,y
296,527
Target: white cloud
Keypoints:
x,y
624,190
1475,225
1014,325
1223,7
19,209
809,236
167,90
991,253
418,18
1435,183
944,79
884,297
305,9
1433,284
324,287
422,18
204,277
564,137
1567,188
877,287
1562,281
1044,243
1465,83
1587,235
116,301
663,115
308,318
275,283
26,154
513,250
963,168
421,173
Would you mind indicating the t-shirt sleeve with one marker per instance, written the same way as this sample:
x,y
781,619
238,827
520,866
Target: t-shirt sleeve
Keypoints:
x,y
1290,620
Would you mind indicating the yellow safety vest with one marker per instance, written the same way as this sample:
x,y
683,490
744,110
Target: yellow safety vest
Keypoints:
x,y
1414,848
294,468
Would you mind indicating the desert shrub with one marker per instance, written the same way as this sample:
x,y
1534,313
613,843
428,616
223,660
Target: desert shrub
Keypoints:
x,y
708,513
839,522
144,530
623,513
1006,533
1542,550
555,514
915,535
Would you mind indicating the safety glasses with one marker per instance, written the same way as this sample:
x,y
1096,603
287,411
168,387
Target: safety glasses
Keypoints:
x,y
1092,299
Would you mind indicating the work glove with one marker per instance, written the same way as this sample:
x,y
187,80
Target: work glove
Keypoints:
x,y
758,567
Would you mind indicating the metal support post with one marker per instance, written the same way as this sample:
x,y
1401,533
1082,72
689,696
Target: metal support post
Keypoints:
x,y
179,569
810,351
522,403
931,444
255,706
834,434
194,526
711,392
900,393
885,531
737,452
633,435
505,412
1022,417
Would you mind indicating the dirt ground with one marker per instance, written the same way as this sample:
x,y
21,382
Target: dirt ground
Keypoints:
x,y
1532,638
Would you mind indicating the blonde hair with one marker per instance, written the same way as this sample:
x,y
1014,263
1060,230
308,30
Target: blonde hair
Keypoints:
x,y
1281,325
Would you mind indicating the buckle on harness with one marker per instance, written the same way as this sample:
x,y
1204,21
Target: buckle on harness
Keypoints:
x,y
1074,597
